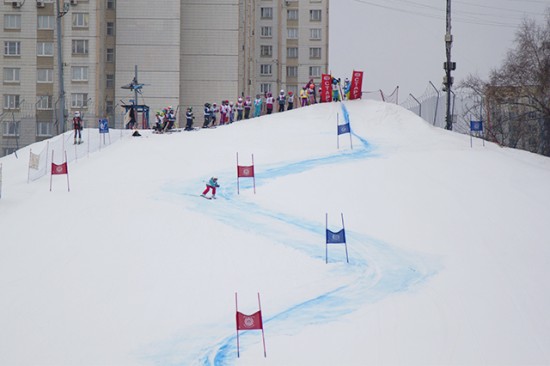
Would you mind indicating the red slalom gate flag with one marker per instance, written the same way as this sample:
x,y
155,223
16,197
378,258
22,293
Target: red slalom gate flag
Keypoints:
x,y
356,87
246,322
326,88
249,322
60,169
245,171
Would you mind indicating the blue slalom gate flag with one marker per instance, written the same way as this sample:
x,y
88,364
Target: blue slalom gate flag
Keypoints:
x,y
336,237
344,129
103,126
476,126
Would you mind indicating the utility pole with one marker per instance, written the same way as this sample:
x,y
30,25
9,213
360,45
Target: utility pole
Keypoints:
x,y
448,66
61,105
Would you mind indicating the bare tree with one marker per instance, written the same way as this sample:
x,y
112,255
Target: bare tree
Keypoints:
x,y
517,95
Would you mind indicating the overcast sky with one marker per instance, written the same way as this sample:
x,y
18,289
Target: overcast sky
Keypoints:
x,y
401,42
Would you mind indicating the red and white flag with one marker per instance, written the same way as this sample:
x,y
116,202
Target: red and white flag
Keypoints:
x,y
245,171
356,87
246,322
60,169
249,322
326,88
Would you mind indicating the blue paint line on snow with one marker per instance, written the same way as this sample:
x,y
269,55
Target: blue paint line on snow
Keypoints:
x,y
376,270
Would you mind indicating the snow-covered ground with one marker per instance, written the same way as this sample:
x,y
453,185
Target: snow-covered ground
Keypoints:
x,y
449,248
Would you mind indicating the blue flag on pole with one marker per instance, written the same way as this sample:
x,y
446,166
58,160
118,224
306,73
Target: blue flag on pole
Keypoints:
x,y
103,126
476,126
336,237
344,129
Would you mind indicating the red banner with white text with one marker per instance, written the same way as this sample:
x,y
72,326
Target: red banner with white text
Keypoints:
x,y
356,85
326,88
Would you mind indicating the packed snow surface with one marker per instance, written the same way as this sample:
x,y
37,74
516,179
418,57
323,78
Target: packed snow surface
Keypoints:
x,y
448,242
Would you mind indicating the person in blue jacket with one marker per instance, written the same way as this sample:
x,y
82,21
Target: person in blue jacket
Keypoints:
x,y
257,106
211,185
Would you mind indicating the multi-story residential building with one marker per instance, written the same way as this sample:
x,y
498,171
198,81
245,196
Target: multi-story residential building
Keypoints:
x,y
186,52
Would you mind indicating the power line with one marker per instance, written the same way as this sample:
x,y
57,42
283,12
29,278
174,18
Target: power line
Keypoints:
x,y
484,18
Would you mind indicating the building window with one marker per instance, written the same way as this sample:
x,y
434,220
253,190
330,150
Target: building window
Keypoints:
x,y
44,102
265,31
111,4
12,48
315,15
44,129
110,28
80,20
292,52
12,74
80,47
109,107
9,150
293,89
11,128
79,73
79,100
266,13
315,52
292,14
292,33
265,88
110,55
11,101
46,22
315,71
315,34
44,49
110,81
266,69
266,51
44,75
292,71
12,21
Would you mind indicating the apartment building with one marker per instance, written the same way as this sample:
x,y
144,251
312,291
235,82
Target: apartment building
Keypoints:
x,y
185,52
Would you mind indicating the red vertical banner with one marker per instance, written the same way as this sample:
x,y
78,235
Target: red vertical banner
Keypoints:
x,y
326,88
356,88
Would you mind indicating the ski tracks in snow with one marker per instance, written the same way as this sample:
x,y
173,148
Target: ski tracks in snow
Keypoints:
x,y
376,269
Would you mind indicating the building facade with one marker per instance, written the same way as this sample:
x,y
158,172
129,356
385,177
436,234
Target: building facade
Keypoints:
x,y
185,52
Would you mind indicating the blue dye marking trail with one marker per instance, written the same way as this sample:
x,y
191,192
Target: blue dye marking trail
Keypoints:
x,y
377,268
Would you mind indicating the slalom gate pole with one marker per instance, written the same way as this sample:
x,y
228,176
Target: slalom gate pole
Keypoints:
x,y
237,324
67,165
262,321
337,135
345,240
350,140
254,175
326,244
47,148
238,192
29,167
51,173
